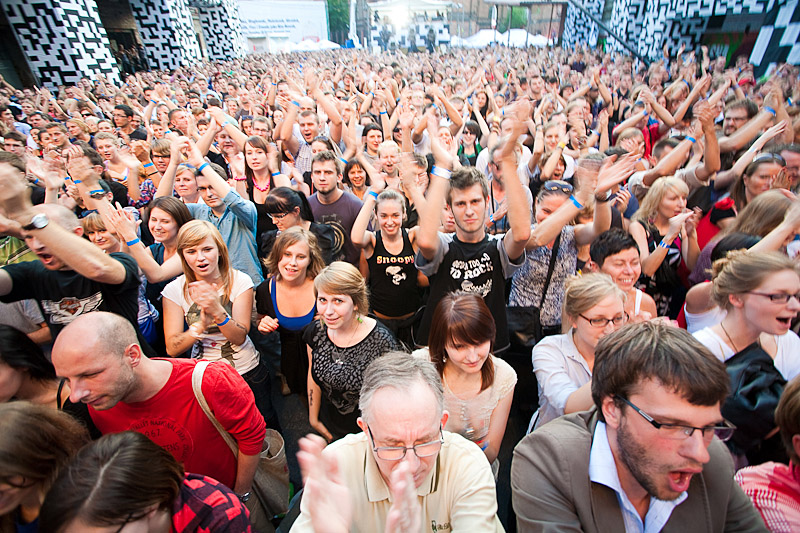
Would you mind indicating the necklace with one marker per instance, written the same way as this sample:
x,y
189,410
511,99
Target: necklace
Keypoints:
x,y
259,187
735,349
337,355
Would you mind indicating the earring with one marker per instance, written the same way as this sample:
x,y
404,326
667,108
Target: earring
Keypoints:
x,y
360,320
444,359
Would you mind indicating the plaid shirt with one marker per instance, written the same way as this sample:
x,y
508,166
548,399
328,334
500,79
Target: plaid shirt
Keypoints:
x,y
775,491
205,505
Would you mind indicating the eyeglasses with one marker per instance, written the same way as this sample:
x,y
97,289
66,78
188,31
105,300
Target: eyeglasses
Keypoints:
x,y
601,322
769,156
557,185
277,216
396,453
160,156
778,297
681,432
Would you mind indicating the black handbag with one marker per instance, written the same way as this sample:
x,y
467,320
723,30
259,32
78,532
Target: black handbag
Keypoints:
x,y
756,387
524,325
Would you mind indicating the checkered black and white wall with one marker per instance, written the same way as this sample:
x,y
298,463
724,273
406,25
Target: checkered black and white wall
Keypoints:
x,y
779,37
580,30
63,40
648,25
167,32
222,31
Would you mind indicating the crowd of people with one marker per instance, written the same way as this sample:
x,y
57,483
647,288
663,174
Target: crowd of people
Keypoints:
x,y
415,245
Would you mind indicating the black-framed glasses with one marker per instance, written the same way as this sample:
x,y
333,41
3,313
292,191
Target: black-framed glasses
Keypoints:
x,y
277,216
769,156
558,185
601,322
159,156
777,297
681,432
396,453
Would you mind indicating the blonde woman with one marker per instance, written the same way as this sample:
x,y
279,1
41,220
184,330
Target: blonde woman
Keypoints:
x,y
594,306
761,293
340,346
216,302
665,231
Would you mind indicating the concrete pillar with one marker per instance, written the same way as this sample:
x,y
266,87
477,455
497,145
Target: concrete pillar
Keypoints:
x,y
222,30
165,27
63,40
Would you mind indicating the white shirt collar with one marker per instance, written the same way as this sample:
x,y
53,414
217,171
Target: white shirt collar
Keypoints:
x,y
603,470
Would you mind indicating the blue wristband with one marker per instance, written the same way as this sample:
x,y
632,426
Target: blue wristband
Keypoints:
x,y
575,201
295,102
227,319
663,244
770,110
201,167
690,138
146,165
274,174
343,160
373,194
134,241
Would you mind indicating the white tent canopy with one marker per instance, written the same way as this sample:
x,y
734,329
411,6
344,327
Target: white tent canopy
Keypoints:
x,y
484,38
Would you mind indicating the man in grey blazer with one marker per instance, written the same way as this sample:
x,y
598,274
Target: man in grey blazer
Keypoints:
x,y
648,456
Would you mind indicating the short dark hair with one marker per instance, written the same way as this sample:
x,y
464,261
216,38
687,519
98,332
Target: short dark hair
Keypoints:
x,y
660,146
13,159
327,155
128,110
18,351
17,136
655,351
464,178
611,242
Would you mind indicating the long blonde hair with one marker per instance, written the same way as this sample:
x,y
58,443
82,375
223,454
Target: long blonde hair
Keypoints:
x,y
646,214
193,233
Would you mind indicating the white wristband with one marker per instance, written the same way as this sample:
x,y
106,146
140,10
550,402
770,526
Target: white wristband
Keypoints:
x,y
440,172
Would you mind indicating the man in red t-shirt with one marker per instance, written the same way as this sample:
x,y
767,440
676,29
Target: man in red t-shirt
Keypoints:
x,y
99,354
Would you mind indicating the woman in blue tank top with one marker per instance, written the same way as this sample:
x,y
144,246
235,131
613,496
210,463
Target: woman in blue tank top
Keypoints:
x,y
286,301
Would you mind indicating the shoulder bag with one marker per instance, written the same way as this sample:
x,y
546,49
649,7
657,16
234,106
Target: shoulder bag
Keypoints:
x,y
270,491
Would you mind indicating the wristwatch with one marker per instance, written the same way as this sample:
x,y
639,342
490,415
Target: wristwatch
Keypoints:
x,y
244,497
38,221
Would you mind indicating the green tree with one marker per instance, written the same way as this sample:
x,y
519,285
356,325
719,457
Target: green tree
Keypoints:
x,y
338,20
519,18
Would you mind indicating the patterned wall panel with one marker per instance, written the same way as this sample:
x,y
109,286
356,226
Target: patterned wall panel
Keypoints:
x,y
165,27
580,29
62,39
779,38
222,30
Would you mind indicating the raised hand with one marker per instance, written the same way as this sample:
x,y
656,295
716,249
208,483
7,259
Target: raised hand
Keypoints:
x,y
405,514
676,223
330,506
205,295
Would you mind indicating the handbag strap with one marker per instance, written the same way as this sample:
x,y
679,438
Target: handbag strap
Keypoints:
x,y
550,268
197,384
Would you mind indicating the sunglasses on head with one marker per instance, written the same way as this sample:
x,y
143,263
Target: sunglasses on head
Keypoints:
x,y
769,156
557,185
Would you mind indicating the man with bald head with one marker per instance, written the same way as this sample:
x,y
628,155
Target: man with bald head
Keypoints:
x,y
72,276
126,391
